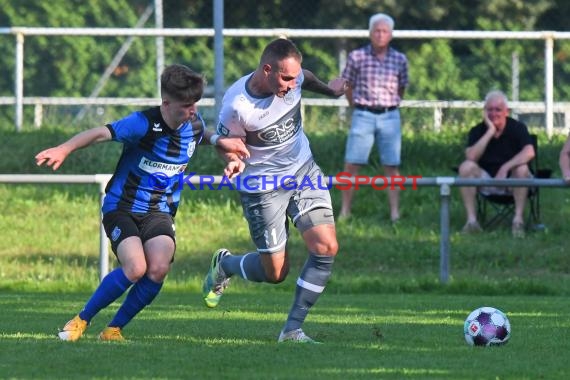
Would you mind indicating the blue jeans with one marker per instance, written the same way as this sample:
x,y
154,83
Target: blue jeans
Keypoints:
x,y
367,128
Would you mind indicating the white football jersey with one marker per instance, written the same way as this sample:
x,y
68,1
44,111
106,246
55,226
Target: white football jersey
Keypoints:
x,y
272,128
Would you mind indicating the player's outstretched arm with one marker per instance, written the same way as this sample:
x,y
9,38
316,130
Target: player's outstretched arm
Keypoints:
x,y
335,88
55,156
233,145
227,144
234,165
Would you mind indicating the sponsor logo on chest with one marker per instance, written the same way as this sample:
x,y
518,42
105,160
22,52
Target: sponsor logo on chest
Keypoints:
x,y
153,167
280,132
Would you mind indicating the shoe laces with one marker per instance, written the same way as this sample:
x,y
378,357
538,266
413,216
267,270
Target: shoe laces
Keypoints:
x,y
221,284
75,324
114,332
221,279
300,335
297,335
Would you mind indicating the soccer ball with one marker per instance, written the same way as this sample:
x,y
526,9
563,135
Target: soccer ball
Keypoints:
x,y
487,326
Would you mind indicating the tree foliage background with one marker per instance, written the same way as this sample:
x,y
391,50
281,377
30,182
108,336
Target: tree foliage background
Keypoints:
x,y
439,69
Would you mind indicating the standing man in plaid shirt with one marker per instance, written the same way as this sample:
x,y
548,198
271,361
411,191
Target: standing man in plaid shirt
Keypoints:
x,y
378,76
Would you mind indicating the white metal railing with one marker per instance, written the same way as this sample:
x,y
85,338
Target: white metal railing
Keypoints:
x,y
444,184
20,32
99,179
437,106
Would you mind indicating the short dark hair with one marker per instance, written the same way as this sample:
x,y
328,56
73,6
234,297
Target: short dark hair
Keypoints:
x,y
182,83
278,50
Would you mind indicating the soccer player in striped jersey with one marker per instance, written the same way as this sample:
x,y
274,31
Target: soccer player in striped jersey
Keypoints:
x,y
142,196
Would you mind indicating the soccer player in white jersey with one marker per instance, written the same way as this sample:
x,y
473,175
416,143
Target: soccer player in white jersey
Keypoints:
x,y
264,109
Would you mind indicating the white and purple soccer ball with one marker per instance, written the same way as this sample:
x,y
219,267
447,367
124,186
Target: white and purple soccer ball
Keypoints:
x,y
487,326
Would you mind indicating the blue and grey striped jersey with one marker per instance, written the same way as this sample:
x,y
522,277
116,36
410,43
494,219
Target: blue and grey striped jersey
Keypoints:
x,y
152,163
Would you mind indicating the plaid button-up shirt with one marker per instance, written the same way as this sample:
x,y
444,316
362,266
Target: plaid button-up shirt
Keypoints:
x,y
375,82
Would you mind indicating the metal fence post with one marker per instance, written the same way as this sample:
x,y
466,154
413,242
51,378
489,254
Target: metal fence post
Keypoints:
x,y
103,244
445,194
19,81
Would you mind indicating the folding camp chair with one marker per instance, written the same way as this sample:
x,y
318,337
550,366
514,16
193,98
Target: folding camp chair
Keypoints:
x,y
503,206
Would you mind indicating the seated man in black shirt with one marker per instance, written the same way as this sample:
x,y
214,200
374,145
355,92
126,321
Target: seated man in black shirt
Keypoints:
x,y
499,147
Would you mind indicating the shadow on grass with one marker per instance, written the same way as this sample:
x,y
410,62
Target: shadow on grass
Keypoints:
x,y
365,336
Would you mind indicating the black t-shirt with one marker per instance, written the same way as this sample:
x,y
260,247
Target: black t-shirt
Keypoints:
x,y
500,150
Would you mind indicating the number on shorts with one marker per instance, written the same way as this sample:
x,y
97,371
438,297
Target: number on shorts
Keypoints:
x,y
273,234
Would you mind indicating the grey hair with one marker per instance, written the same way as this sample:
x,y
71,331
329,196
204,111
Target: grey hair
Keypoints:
x,y
497,94
380,17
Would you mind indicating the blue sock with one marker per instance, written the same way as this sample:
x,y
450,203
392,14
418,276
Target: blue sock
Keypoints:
x,y
141,294
247,267
112,287
310,284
